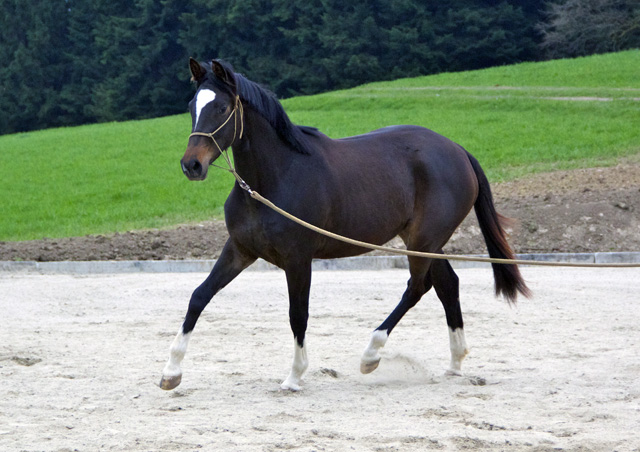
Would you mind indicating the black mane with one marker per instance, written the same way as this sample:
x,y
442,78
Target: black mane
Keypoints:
x,y
265,103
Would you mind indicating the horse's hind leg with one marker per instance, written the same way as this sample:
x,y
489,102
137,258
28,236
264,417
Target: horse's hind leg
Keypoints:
x,y
445,282
418,285
229,265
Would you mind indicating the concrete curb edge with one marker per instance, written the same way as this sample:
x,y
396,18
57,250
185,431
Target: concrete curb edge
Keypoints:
x,y
350,263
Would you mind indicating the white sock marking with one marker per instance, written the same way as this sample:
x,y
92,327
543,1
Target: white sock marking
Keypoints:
x,y
177,352
459,350
299,367
378,339
203,98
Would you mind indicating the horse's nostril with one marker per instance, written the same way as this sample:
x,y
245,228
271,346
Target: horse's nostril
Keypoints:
x,y
192,168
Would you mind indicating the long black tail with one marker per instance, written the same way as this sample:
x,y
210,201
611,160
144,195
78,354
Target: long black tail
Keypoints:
x,y
508,280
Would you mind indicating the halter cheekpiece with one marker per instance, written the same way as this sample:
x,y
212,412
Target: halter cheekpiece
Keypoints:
x,y
237,108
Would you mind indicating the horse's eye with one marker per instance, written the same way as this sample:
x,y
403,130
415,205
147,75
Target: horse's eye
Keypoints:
x,y
222,110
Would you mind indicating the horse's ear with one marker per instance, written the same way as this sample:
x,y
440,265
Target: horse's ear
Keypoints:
x,y
223,74
197,71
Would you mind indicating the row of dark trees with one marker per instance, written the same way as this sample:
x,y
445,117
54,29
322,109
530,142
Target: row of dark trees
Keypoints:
x,y
65,62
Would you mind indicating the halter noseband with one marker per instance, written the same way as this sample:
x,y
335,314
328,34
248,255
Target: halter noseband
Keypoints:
x,y
231,169
237,106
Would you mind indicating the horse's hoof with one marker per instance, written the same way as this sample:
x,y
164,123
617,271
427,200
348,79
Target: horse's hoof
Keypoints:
x,y
169,383
290,387
366,367
290,384
453,373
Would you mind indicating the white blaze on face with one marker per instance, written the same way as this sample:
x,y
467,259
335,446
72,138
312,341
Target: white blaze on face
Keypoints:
x,y
203,98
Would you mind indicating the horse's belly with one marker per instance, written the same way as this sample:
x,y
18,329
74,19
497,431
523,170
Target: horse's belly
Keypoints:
x,y
343,250
368,230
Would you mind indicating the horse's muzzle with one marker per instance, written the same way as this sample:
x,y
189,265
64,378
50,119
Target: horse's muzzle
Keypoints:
x,y
194,169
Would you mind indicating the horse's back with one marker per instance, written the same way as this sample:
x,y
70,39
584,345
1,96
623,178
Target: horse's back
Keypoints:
x,y
408,152
400,139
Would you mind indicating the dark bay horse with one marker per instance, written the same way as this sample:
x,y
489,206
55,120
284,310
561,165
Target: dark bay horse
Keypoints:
x,y
402,181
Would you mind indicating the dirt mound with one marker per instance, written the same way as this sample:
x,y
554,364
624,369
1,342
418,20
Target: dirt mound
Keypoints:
x,y
591,210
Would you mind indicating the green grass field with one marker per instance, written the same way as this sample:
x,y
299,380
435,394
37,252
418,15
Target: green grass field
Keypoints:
x,y
516,120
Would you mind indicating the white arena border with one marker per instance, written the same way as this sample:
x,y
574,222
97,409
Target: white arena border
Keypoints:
x,y
351,263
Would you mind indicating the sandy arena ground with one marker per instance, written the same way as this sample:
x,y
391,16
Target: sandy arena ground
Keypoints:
x,y
81,356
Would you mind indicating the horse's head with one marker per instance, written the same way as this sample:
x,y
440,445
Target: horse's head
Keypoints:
x,y
216,117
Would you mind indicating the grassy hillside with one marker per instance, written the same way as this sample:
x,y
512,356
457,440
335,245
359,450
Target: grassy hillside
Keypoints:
x,y
515,119
102,178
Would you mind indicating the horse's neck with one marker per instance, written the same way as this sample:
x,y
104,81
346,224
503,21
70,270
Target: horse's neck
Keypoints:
x,y
261,157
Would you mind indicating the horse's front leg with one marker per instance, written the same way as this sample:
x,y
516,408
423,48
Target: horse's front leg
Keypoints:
x,y
229,265
299,284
